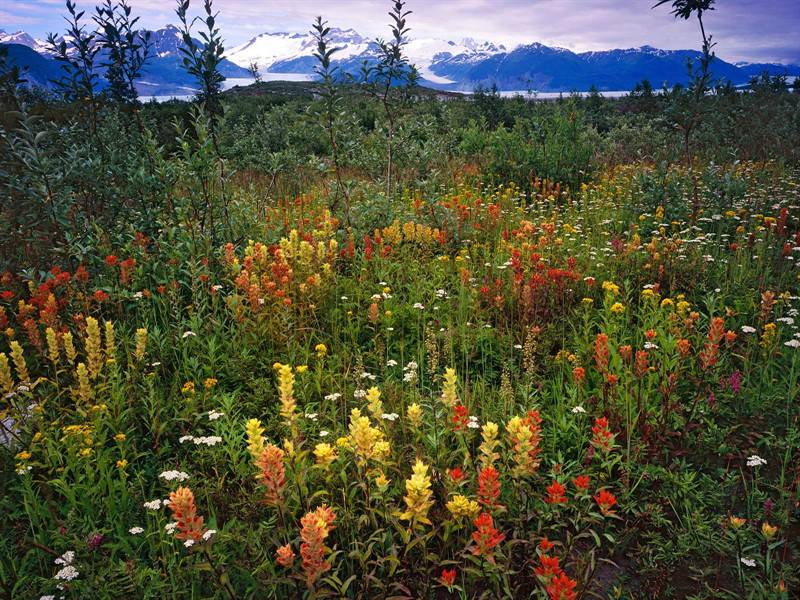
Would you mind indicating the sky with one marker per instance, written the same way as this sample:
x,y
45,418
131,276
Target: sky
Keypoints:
x,y
745,30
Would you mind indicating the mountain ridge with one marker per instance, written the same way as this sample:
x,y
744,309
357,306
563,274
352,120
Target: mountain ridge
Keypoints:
x,y
444,64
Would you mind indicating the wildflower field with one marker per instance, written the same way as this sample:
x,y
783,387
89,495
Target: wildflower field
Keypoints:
x,y
480,348
492,395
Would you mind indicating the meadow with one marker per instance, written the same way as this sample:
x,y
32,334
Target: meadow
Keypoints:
x,y
522,350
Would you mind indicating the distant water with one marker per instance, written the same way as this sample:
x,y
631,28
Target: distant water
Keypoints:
x,y
243,81
556,95
233,82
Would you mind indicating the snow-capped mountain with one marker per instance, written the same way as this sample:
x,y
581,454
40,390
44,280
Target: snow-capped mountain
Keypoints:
x,y
293,52
23,39
455,65
268,49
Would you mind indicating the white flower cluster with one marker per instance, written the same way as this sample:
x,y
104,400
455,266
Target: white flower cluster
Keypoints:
x,y
208,440
67,572
174,476
410,372
135,530
155,504
333,396
755,461
213,415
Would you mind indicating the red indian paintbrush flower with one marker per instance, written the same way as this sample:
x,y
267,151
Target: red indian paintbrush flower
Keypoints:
x,y
460,417
486,537
581,483
562,588
489,488
272,474
640,364
548,567
555,493
284,556
315,527
602,438
710,352
605,500
579,375
189,523
448,577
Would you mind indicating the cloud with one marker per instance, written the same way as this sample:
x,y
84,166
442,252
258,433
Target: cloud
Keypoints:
x,y
744,29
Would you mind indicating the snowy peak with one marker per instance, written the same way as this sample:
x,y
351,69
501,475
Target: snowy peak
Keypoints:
x,y
268,49
24,39
282,50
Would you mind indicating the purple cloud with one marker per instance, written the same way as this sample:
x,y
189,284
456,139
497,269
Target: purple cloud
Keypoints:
x,y
745,30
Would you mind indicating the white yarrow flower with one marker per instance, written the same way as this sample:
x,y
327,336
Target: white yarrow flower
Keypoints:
x,y
748,562
174,476
135,530
68,573
755,461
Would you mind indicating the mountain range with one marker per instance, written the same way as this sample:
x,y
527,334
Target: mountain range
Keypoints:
x,y
450,65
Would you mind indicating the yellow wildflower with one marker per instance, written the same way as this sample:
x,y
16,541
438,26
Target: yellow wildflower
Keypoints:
x,y
374,403
69,347
141,343
414,414
255,438
52,345
737,522
325,454
449,393
367,441
111,342
286,390
381,481
617,308
418,496
321,350
85,390
611,288
489,433
94,353
18,357
462,507
6,379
